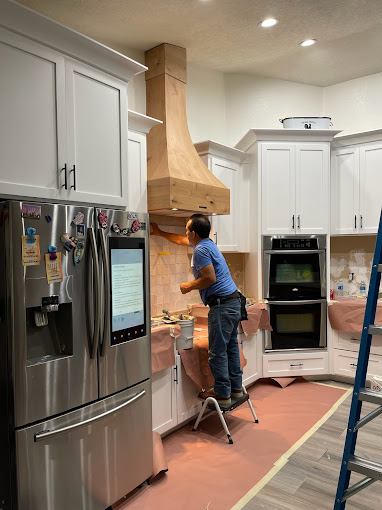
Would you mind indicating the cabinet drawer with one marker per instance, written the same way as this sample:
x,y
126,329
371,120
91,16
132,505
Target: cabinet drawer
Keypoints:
x,y
345,363
351,342
295,364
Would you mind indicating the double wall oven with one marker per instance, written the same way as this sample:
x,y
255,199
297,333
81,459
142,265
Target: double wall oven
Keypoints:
x,y
295,287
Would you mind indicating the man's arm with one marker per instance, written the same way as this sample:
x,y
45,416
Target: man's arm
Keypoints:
x,y
207,279
173,238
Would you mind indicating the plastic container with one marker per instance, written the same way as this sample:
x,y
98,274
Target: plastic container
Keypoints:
x,y
186,339
362,289
306,122
340,288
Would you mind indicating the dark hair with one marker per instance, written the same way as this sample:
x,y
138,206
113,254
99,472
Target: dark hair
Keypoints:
x,y
201,225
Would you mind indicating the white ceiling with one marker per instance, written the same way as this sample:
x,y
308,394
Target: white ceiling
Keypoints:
x,y
223,34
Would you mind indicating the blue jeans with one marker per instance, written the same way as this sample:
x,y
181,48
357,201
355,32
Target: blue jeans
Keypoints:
x,y
224,357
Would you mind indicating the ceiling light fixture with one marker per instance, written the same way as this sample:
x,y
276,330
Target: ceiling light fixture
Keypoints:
x,y
308,42
270,22
174,209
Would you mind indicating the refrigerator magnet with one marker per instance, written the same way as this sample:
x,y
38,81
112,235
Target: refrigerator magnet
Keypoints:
x,y
31,211
79,218
80,229
30,250
79,252
52,250
102,219
53,269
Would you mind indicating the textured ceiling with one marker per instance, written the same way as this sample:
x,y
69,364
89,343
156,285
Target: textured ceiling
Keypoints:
x,y
223,34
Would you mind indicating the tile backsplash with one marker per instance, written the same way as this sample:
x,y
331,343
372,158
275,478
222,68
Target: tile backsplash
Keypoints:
x,y
170,265
351,254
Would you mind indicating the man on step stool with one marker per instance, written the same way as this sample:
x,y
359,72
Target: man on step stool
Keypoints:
x,y
219,292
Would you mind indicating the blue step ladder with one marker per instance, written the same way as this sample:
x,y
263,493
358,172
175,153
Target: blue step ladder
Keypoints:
x,y
350,462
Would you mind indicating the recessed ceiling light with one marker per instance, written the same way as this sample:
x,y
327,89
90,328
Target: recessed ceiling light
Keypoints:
x,y
174,209
270,22
308,42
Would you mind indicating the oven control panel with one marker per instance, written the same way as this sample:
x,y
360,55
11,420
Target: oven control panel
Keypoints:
x,y
294,244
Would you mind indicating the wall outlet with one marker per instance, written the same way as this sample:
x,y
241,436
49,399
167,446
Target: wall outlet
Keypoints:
x,y
351,277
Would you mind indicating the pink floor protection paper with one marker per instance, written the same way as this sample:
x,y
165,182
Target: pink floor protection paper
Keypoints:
x,y
205,471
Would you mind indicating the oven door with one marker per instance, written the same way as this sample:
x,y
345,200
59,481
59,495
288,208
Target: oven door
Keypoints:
x,y
296,325
292,274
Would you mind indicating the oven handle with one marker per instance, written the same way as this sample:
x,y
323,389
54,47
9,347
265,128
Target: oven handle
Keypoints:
x,y
298,302
290,252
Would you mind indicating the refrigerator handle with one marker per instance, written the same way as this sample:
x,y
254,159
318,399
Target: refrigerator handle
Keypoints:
x,y
106,294
93,293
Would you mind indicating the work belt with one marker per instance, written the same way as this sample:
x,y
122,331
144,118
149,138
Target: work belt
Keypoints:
x,y
222,300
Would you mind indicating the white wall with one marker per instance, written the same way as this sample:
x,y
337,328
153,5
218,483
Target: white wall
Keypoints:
x,y
355,105
206,111
255,102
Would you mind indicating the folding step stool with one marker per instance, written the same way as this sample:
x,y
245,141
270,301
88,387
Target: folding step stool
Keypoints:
x,y
213,405
350,462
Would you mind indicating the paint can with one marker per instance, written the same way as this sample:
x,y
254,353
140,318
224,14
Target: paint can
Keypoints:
x,y
186,339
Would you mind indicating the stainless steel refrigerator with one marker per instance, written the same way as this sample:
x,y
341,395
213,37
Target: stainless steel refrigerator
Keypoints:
x,y
75,365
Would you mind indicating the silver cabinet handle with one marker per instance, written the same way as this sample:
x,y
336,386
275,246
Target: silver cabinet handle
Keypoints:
x,y
355,339
298,221
93,298
353,364
296,364
40,436
216,238
106,293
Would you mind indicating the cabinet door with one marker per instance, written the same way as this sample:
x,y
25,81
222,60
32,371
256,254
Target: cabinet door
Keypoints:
x,y
226,228
32,119
312,188
137,173
97,135
345,191
252,350
278,188
188,404
164,400
370,187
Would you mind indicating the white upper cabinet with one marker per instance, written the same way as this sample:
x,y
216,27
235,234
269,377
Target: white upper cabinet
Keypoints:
x,y
230,232
295,188
96,105
356,183
63,123
33,118
139,126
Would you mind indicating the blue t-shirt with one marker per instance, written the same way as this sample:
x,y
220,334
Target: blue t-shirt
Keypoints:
x,y
206,252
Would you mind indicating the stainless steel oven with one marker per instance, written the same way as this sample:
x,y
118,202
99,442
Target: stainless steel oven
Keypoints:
x,y
295,287
294,267
299,324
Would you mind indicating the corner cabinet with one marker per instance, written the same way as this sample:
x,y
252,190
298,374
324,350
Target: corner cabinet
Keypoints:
x,y
63,127
230,232
139,126
356,183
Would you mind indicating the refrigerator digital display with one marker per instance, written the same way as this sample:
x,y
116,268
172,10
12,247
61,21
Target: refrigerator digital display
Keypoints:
x,y
127,277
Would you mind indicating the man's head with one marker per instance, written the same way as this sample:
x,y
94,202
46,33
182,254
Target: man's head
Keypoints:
x,y
198,227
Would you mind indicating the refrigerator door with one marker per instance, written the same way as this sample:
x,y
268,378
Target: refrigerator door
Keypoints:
x,y
125,339
51,369
87,459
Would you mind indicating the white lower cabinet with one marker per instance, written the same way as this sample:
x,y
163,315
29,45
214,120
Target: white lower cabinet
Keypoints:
x,y
252,349
345,354
296,363
174,397
164,400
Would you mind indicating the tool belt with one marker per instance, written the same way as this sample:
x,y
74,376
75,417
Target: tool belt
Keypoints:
x,y
222,300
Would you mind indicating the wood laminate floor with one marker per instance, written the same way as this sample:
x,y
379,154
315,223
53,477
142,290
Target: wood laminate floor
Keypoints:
x,y
309,479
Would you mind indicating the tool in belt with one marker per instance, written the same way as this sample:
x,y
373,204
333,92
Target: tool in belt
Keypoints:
x,y
221,300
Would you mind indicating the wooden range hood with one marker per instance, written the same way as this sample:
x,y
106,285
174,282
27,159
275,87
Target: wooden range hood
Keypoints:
x,y
179,183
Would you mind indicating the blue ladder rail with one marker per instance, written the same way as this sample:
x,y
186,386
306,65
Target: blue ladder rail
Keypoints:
x,y
350,462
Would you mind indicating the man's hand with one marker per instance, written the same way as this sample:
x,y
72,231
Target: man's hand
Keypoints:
x,y
155,230
185,287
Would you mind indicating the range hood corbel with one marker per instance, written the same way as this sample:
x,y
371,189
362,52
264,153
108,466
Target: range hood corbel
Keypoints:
x,y
178,182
